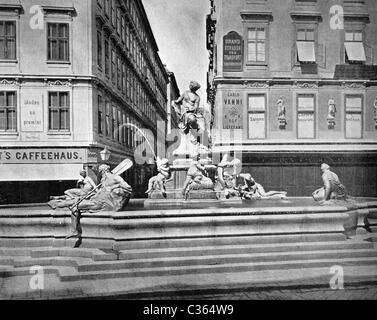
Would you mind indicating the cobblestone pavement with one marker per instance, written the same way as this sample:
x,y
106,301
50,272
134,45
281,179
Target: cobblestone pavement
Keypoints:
x,y
356,293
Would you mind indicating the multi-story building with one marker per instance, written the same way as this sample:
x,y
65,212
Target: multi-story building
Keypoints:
x,y
73,76
293,83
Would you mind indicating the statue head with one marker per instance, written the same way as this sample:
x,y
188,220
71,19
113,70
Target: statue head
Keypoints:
x,y
325,167
194,86
104,168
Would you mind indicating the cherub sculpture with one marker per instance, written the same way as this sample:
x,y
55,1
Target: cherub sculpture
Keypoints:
x,y
159,181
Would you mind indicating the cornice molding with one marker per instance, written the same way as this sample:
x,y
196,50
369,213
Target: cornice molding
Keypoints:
x,y
71,11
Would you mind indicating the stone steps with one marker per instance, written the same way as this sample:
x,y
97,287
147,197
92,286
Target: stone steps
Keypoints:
x,y
228,241
171,262
303,265
86,268
133,254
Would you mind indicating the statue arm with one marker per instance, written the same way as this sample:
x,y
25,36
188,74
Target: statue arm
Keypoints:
x,y
180,99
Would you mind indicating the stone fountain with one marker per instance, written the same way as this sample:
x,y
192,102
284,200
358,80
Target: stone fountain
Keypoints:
x,y
191,175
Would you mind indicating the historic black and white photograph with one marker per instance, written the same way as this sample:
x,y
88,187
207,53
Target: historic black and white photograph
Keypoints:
x,y
207,150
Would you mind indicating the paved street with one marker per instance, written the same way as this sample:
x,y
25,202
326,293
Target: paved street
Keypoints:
x,y
355,293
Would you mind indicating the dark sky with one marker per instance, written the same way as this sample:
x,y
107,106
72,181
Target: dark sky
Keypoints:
x,y
179,27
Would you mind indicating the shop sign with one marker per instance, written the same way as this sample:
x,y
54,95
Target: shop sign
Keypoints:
x,y
233,105
43,156
233,52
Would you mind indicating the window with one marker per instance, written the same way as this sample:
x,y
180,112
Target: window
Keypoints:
x,y
58,42
119,21
305,45
58,111
113,66
127,37
107,8
128,133
305,117
123,33
257,116
100,115
124,77
107,123
107,58
354,47
115,129
99,49
128,93
354,116
119,73
8,111
119,127
113,13
124,131
256,45
7,40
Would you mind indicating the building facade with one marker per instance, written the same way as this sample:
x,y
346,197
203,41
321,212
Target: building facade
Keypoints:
x,y
76,77
293,84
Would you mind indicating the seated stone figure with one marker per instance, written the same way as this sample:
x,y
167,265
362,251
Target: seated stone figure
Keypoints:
x,y
227,172
332,189
197,178
164,175
250,189
113,195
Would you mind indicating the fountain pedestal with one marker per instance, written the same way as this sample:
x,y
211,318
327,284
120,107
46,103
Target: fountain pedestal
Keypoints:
x,y
175,186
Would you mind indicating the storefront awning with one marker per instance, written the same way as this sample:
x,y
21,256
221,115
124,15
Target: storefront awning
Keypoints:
x,y
39,172
355,51
305,51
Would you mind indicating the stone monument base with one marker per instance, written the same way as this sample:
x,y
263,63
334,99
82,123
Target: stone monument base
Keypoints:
x,y
174,187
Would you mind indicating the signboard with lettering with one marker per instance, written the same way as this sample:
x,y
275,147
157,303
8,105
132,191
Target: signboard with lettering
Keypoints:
x,y
233,52
32,114
257,126
354,125
232,110
43,156
305,128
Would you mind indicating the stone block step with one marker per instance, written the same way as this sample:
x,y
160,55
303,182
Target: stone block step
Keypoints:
x,y
234,268
240,249
48,252
53,262
231,240
170,262
25,271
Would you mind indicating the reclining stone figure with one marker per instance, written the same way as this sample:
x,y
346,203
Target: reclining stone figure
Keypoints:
x,y
250,189
113,195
